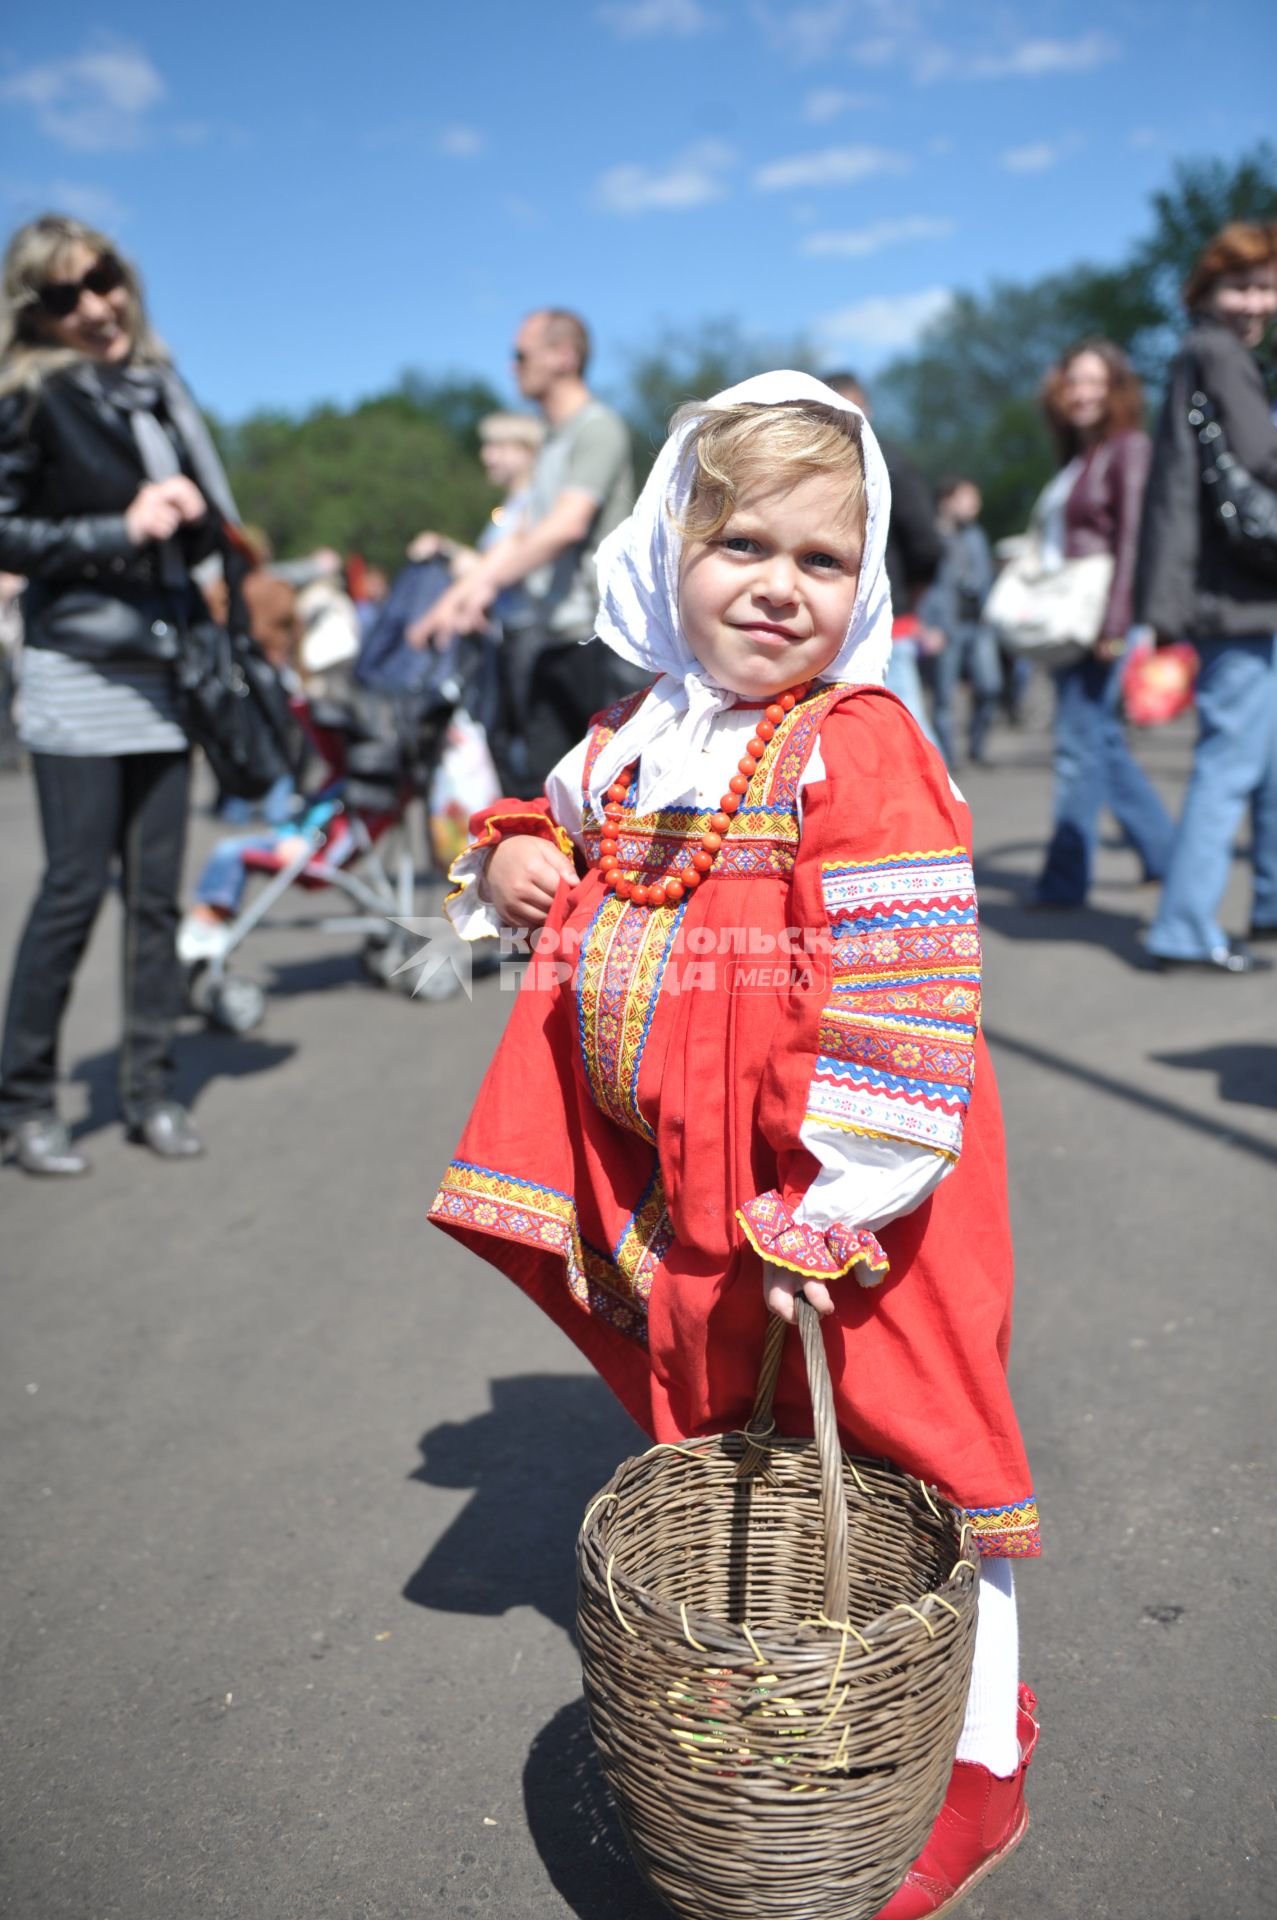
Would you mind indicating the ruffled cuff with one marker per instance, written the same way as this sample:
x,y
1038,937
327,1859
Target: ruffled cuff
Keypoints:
x,y
773,1232
473,917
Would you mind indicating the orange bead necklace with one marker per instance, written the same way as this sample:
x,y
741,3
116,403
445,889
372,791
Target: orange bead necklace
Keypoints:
x,y
668,893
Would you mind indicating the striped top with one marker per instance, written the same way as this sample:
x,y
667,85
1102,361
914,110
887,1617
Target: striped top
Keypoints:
x,y
87,708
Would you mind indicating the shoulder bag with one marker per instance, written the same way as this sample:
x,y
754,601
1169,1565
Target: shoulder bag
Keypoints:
x,y
1050,614
231,700
1243,508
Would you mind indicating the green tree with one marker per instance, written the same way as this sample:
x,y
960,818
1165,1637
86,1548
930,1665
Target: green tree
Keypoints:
x,y
1204,196
965,399
367,478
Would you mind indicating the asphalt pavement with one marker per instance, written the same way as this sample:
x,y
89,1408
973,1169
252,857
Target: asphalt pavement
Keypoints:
x,y
290,1482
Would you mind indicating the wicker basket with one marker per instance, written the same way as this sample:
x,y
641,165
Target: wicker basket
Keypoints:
x,y
776,1663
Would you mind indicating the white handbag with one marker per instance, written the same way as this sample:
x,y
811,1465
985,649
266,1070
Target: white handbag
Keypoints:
x,y
1051,614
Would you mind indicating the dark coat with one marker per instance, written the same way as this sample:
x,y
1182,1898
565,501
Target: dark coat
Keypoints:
x,y
1188,580
1102,515
914,546
69,468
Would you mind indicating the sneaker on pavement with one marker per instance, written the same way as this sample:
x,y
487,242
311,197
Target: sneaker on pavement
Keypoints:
x,y
199,939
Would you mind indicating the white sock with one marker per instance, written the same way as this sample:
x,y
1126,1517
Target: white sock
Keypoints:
x,y
989,1736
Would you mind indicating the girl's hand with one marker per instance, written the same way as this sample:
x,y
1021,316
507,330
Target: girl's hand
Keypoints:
x,y
522,876
780,1286
160,507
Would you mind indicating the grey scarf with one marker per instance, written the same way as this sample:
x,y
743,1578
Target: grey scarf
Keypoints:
x,y
166,423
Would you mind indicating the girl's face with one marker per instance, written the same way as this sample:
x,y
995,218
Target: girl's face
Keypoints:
x,y
767,601
1246,302
1085,392
97,326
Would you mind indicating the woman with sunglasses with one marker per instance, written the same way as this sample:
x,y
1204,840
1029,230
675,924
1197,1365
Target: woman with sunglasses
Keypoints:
x,y
110,491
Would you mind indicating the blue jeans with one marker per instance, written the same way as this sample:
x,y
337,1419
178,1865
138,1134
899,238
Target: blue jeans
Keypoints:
x,y
905,681
1095,768
1235,765
973,651
223,875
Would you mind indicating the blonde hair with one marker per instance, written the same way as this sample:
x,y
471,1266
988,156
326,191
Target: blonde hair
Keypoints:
x,y
511,429
735,447
27,356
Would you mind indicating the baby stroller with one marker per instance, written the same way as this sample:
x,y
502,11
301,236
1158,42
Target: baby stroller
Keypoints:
x,y
379,745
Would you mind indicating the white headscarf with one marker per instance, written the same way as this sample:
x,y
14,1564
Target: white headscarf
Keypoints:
x,y
638,613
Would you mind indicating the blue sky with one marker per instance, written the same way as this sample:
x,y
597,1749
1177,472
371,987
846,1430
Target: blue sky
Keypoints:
x,y
320,197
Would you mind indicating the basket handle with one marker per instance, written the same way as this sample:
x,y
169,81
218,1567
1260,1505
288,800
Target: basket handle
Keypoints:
x,y
833,1502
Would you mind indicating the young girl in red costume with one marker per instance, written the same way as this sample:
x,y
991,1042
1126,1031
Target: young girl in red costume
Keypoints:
x,y
762,1071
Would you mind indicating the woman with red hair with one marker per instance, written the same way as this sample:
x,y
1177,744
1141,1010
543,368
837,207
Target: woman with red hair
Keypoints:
x,y
1094,405
1197,583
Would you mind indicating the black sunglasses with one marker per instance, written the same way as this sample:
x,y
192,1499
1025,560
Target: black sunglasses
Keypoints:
x,y
61,297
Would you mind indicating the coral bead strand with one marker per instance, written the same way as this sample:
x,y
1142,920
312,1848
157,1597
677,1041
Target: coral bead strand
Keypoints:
x,y
667,893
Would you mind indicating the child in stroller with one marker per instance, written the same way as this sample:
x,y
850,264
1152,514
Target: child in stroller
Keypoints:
x,y
379,746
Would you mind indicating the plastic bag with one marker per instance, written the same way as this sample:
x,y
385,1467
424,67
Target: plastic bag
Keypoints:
x,y
1158,682
464,782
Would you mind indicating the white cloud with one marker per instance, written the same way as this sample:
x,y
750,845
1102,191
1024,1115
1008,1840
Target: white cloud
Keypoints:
x,y
1040,156
94,102
645,19
461,143
1141,138
882,323
827,103
806,34
691,179
85,200
1033,58
831,167
886,233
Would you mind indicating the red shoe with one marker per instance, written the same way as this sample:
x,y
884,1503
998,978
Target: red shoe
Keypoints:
x,y
983,1819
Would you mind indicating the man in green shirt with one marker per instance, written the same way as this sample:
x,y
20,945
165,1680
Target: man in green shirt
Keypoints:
x,y
556,675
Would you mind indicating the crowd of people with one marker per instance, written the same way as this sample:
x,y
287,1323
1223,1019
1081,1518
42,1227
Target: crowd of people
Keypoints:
x,y
112,499
728,702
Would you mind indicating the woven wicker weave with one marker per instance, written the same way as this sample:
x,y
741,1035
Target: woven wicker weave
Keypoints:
x,y
776,1663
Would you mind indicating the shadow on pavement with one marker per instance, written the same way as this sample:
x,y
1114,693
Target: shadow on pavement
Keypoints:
x,y
333,968
535,1461
202,1056
1090,924
1121,1090
574,1826
1247,1074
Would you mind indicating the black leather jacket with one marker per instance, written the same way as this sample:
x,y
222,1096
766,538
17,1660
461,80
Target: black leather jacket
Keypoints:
x,y
1188,581
69,468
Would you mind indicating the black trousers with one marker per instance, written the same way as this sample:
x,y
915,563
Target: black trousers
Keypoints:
x,y
128,809
551,690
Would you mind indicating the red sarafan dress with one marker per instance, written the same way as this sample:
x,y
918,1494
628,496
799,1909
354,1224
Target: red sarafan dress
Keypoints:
x,y
637,1146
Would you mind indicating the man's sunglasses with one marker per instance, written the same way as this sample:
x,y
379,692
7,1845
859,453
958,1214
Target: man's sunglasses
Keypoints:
x,y
61,297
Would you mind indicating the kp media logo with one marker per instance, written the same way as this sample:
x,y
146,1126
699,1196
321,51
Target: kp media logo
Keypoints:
x,y
433,961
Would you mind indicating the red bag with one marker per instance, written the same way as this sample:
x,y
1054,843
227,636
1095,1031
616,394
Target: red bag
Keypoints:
x,y
1157,683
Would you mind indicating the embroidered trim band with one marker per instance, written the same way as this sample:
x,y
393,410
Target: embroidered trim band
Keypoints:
x,y
773,1232
1007,1533
896,1045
